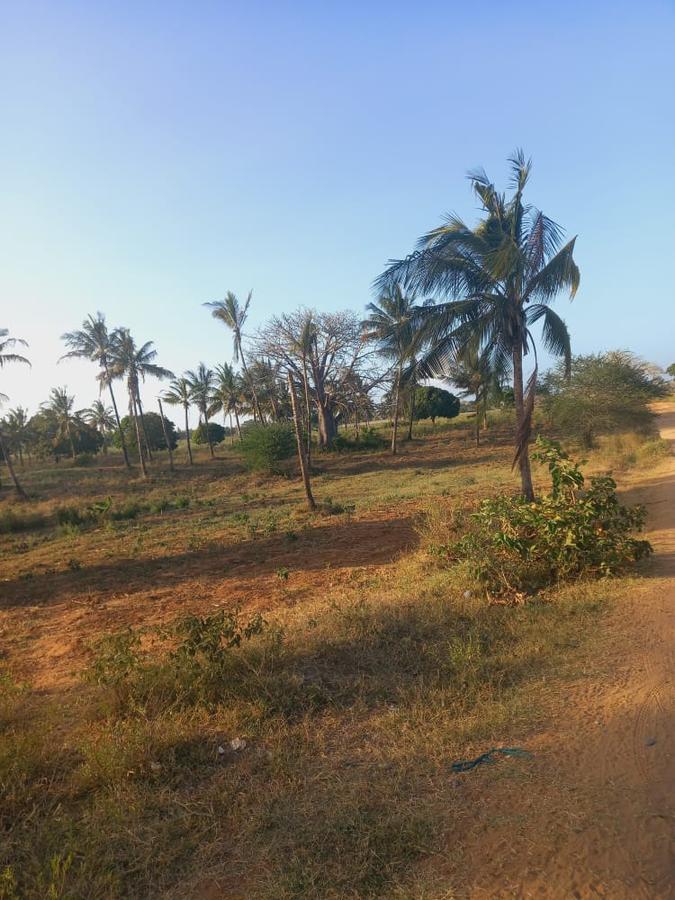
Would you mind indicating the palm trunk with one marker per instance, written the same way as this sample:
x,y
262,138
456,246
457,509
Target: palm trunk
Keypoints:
x,y
236,419
166,435
208,434
123,444
10,468
134,415
70,440
300,440
143,431
187,435
397,397
257,412
412,414
308,411
522,428
478,413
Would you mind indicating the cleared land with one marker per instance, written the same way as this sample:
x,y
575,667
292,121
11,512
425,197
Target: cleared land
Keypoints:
x,y
386,673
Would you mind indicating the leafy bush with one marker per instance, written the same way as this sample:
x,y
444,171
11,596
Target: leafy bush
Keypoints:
x,y
432,403
216,432
194,662
605,393
264,446
367,439
83,459
12,521
153,430
513,546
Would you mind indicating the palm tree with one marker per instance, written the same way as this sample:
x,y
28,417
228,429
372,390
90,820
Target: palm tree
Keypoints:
x,y
391,325
233,315
100,417
135,364
201,383
473,373
179,394
61,406
227,394
94,342
496,282
17,430
7,344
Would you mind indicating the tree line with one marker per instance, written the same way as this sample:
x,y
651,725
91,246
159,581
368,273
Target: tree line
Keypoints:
x,y
462,308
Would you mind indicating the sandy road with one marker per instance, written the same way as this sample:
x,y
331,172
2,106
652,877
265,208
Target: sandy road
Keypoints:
x,y
595,815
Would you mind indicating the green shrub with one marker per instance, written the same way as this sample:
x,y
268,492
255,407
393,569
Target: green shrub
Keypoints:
x,y
83,459
367,439
12,521
265,446
216,432
513,546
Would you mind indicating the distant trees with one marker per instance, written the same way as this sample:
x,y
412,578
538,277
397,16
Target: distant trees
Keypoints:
x,y
434,403
601,393
391,326
7,356
94,342
102,418
61,407
216,434
473,373
179,394
154,431
495,282
228,394
201,383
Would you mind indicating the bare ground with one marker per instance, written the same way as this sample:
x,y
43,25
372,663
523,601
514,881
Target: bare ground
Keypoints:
x,y
594,815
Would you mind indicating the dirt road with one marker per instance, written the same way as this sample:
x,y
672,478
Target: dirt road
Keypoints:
x,y
595,815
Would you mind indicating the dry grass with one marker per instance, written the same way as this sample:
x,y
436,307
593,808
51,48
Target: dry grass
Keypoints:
x,y
381,673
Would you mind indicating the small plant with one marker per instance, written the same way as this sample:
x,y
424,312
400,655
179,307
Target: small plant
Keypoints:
x,y
513,546
367,439
283,573
12,521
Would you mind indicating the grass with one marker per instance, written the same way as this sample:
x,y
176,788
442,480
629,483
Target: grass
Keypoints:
x,y
374,672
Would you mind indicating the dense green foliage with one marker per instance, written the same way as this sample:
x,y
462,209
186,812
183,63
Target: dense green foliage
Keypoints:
x,y
153,430
47,439
265,446
216,432
513,546
367,439
433,403
604,393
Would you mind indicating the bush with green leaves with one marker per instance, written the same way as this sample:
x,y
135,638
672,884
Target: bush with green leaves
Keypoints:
x,y
216,432
194,661
514,547
367,439
601,394
433,403
153,429
265,446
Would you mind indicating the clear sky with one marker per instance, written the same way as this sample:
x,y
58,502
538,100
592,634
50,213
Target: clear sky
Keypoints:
x,y
154,155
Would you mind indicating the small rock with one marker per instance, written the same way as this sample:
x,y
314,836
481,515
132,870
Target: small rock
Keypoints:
x,y
238,744
650,741
155,766
221,751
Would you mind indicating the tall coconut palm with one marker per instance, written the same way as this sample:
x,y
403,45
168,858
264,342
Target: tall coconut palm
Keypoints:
x,y
202,383
179,394
227,394
233,315
7,344
496,282
18,430
135,364
61,405
102,418
473,373
391,325
94,342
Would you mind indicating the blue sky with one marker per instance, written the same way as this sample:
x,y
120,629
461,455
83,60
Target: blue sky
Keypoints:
x,y
155,155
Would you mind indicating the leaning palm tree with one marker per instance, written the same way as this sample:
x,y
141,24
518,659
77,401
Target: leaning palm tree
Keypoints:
x,y
61,405
135,364
202,382
391,325
94,342
7,344
179,394
496,282
18,430
100,417
227,394
233,315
